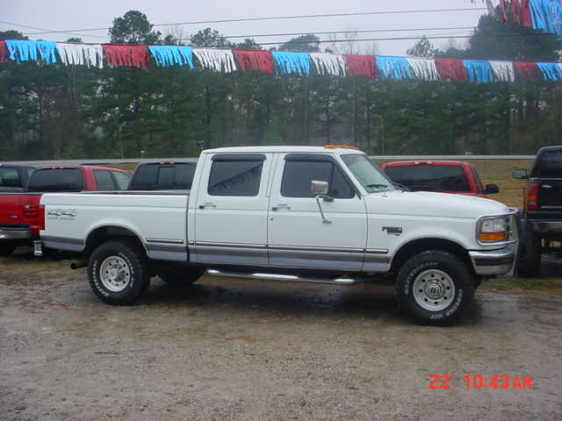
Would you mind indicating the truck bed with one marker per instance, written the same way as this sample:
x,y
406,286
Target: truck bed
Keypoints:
x,y
137,212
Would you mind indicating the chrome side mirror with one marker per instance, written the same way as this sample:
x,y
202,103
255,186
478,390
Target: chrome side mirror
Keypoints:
x,y
319,188
320,191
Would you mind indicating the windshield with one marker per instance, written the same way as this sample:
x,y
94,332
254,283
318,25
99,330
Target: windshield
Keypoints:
x,y
367,173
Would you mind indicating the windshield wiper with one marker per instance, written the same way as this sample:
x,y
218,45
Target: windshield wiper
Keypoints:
x,y
378,186
401,186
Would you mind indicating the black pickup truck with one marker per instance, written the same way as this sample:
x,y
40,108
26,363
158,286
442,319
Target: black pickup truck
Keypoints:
x,y
163,175
14,178
542,216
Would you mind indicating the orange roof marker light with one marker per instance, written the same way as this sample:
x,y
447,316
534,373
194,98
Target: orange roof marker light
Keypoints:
x,y
355,148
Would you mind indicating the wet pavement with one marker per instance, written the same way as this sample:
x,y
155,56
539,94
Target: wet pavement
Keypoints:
x,y
253,350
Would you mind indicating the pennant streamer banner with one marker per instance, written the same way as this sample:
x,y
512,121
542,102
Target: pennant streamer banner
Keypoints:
x,y
544,15
277,62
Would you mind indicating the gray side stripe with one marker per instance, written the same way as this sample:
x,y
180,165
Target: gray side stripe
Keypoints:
x,y
164,247
63,240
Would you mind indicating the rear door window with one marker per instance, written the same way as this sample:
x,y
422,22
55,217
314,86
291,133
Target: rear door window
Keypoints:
x,y
548,165
9,177
430,177
235,177
104,180
56,180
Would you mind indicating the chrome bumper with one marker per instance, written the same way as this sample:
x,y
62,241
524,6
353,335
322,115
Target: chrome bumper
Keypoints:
x,y
15,233
495,262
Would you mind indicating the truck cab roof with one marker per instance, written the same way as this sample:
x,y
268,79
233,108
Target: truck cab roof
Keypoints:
x,y
338,149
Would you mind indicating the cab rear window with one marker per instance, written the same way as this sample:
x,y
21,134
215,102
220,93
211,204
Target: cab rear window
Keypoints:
x,y
548,165
56,180
9,177
430,177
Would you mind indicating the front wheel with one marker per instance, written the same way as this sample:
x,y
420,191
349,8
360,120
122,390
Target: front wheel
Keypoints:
x,y
118,272
435,287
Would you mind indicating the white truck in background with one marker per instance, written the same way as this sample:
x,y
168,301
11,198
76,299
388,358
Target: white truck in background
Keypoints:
x,y
321,214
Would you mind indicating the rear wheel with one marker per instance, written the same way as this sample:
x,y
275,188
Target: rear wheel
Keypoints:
x,y
529,261
180,275
118,272
435,287
7,248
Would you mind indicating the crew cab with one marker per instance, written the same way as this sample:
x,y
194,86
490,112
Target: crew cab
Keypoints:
x,y
320,214
542,215
21,218
439,176
14,178
163,175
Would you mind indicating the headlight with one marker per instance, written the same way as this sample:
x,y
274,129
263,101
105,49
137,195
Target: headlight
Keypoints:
x,y
493,229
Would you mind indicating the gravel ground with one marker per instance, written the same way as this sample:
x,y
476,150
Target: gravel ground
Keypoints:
x,y
238,350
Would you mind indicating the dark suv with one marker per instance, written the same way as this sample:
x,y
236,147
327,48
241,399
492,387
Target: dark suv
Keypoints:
x,y
542,220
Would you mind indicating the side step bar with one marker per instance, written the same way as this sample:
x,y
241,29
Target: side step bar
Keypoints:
x,y
286,278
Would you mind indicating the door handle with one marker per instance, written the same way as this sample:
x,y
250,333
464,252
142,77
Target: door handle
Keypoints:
x,y
207,205
281,206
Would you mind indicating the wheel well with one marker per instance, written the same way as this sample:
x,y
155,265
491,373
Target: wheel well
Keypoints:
x,y
426,244
104,234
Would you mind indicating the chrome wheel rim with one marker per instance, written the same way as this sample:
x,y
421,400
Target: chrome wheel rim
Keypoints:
x,y
434,290
115,274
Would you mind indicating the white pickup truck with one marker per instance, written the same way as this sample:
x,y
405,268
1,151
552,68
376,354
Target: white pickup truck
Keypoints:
x,y
320,214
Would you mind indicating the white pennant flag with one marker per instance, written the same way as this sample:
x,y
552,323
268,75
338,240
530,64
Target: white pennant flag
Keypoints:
x,y
81,54
329,64
424,68
503,71
217,60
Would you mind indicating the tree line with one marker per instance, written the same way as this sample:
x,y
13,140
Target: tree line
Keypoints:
x,y
60,112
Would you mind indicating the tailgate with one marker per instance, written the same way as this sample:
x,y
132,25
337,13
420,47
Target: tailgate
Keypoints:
x,y
550,194
20,209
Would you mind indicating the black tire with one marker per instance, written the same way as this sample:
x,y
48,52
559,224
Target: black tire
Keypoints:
x,y
435,262
180,275
529,259
7,248
133,260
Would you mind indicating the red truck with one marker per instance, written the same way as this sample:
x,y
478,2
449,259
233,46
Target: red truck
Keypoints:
x,y
21,217
439,176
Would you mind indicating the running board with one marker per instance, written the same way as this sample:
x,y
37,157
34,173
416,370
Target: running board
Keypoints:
x,y
286,278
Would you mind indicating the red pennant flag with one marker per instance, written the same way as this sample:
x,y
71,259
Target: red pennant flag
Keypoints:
x,y
361,65
451,69
126,55
526,70
254,60
3,51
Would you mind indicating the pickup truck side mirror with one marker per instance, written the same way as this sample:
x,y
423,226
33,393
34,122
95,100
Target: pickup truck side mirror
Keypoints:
x,y
319,188
520,174
491,189
320,191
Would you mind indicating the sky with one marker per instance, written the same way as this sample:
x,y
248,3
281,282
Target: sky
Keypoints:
x,y
80,14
